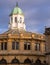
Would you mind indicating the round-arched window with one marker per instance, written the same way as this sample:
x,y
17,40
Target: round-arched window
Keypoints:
x,y
14,61
3,61
27,61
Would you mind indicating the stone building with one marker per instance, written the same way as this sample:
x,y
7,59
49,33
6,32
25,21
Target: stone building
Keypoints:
x,y
18,46
47,34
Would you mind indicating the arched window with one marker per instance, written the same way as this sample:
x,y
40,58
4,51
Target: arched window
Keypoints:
x,y
15,45
38,61
15,19
3,61
14,61
27,61
45,63
27,46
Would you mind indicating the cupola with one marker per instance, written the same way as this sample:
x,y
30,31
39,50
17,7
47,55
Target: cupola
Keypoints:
x,y
17,19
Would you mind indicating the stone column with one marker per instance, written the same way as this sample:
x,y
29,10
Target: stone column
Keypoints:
x,y
21,45
33,46
9,45
42,46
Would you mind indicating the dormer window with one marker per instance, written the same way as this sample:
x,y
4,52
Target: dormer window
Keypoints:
x,y
15,19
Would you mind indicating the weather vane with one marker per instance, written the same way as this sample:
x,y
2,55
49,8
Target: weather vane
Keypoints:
x,y
16,3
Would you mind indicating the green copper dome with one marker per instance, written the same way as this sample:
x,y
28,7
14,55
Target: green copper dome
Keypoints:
x,y
16,10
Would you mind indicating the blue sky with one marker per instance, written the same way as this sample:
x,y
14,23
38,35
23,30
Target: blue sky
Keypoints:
x,y
37,14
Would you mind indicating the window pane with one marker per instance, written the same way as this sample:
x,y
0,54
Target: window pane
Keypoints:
x,y
13,45
16,19
17,45
37,46
25,46
5,46
28,47
2,46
